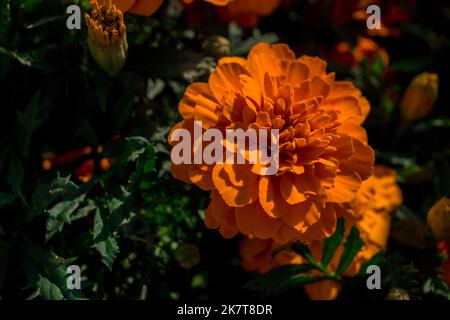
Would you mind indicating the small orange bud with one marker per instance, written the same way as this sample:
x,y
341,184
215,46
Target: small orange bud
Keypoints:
x,y
85,171
105,164
46,164
419,98
439,219
107,38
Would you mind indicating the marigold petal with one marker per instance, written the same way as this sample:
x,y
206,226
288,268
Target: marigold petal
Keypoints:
x,y
252,220
346,184
187,104
145,7
237,186
270,197
226,78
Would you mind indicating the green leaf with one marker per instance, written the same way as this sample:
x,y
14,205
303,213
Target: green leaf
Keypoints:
x,y
5,199
48,290
412,65
303,250
145,166
61,214
436,286
16,174
375,260
29,120
282,278
107,223
108,250
431,125
351,248
331,244
134,147
47,273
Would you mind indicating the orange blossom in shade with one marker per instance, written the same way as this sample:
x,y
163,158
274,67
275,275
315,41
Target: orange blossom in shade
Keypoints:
x,y
439,219
393,14
378,195
365,49
246,13
324,155
149,7
420,96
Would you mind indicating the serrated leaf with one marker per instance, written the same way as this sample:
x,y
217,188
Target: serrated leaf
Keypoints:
x,y
331,244
108,250
83,212
135,146
352,246
47,273
61,214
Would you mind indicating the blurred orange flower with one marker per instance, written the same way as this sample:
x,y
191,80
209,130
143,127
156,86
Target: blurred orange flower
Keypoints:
x,y
420,96
393,14
149,7
365,49
246,13
324,155
439,219
369,212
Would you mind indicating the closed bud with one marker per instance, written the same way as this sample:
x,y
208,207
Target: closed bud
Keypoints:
x,y
398,294
439,219
217,46
107,38
419,98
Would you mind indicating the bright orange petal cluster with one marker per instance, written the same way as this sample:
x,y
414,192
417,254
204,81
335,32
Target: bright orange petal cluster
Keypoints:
x,y
324,156
377,197
247,12
149,7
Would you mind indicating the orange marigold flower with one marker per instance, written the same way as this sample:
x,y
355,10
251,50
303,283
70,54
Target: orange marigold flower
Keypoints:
x,y
149,7
419,98
369,212
324,155
246,13
140,7
439,219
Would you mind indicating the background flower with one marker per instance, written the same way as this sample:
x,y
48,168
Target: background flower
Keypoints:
x,y
370,212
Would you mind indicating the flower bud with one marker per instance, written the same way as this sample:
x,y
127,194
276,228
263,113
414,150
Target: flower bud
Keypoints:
x,y
439,219
398,294
217,46
107,39
419,98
